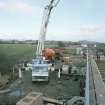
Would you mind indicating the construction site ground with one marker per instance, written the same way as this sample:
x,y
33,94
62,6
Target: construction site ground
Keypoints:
x,y
65,87
56,88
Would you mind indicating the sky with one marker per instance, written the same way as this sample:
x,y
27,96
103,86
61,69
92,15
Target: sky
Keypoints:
x,y
71,20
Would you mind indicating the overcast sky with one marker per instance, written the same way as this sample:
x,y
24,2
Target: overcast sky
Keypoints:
x,y
71,20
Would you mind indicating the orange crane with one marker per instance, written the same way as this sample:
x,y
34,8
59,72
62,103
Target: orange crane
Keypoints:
x,y
40,69
45,21
51,54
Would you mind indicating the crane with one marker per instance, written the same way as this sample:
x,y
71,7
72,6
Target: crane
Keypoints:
x,y
40,69
45,21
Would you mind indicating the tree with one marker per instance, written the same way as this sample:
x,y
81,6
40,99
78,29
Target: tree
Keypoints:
x,y
61,44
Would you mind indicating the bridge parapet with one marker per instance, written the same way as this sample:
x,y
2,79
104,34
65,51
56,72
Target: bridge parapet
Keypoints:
x,y
96,84
99,85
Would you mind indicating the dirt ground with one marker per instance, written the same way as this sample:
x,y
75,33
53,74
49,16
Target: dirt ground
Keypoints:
x,y
56,88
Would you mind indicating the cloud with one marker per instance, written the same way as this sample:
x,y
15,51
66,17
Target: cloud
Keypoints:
x,y
84,32
18,36
19,6
91,33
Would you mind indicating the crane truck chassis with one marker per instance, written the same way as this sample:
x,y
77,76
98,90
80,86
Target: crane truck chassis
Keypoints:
x,y
40,70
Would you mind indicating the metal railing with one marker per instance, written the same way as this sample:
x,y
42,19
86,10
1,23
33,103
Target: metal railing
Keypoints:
x,y
86,101
95,87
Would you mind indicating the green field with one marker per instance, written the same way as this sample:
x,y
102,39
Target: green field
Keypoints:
x,y
11,54
101,64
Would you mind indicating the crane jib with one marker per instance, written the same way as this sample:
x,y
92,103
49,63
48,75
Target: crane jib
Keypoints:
x,y
45,21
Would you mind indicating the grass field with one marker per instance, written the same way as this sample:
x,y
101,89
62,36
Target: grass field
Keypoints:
x,y
101,66
11,54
